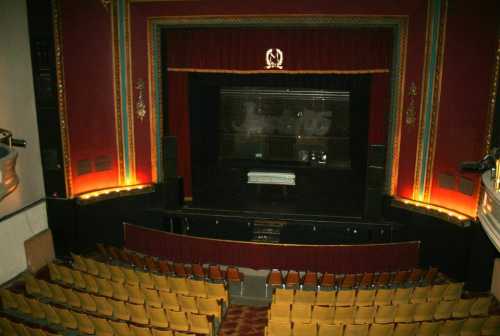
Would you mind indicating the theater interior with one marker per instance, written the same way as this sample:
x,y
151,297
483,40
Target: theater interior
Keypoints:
x,y
182,167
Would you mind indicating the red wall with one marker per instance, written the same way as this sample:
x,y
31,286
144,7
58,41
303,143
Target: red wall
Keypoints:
x,y
468,65
469,47
88,75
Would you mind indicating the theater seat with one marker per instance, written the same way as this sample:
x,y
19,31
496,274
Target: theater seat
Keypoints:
x,y
199,324
102,326
140,331
292,279
327,281
233,275
274,279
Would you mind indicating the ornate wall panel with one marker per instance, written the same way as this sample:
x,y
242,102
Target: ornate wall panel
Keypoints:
x,y
112,69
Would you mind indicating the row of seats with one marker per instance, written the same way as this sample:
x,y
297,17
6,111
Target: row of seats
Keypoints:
x,y
403,278
136,295
155,265
11,328
369,297
136,287
474,326
408,312
110,309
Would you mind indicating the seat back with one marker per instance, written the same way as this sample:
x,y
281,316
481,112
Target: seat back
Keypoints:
x,y
406,329
453,291
348,281
400,278
402,295
292,278
444,309
278,328
364,315
199,324
367,280
385,314
178,320
345,297
215,273
274,278
283,295
365,297
405,312
382,280
384,296
304,329
344,315
425,311
429,328
305,297
310,279
381,329
327,280
451,327
322,314
330,329
301,312
197,288
325,298
120,328
356,330
279,311
481,306
420,294
187,303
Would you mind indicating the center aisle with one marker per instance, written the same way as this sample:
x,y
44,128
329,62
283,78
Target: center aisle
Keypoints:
x,y
244,321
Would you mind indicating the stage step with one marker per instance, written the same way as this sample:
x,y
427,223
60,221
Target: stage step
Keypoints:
x,y
267,231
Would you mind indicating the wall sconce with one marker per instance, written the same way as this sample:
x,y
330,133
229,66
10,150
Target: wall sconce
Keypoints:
x,y
411,114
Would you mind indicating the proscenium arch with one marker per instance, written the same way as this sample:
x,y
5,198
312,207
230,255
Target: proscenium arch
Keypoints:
x,y
398,25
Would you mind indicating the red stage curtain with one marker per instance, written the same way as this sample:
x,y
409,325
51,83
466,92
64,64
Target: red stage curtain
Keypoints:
x,y
305,50
363,50
332,258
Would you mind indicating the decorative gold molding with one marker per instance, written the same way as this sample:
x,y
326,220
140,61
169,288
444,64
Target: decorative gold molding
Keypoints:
x,y
428,120
152,106
437,211
398,95
140,105
339,72
436,103
130,98
492,98
61,96
400,22
411,113
117,94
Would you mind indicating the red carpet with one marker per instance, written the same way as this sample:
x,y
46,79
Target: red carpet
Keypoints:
x,y
244,321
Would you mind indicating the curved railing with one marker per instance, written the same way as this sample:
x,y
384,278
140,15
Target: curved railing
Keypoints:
x,y
332,258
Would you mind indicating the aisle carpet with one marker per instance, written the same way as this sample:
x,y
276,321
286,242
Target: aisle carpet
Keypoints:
x,y
244,321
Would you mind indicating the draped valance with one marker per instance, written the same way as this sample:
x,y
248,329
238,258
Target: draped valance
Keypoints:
x,y
304,50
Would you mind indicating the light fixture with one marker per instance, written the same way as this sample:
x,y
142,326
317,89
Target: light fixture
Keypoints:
x,y
109,193
432,210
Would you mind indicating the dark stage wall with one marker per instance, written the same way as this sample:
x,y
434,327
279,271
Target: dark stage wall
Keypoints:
x,y
448,54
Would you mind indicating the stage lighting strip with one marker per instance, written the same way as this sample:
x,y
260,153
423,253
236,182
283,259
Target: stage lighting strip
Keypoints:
x,y
432,210
108,193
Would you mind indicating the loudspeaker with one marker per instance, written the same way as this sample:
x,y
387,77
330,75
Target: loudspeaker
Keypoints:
x,y
173,192
169,157
375,179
